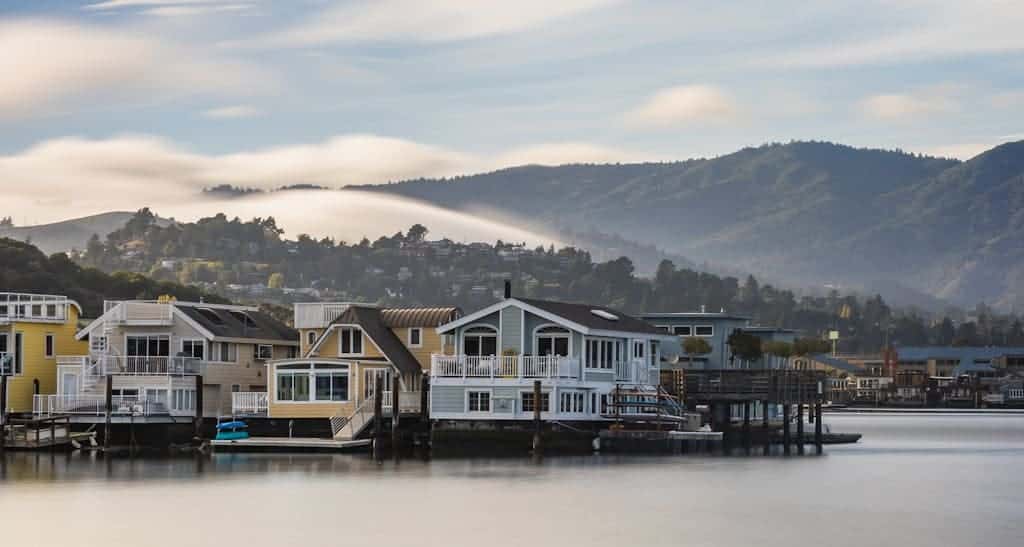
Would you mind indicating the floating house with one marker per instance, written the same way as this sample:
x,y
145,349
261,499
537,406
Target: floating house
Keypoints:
x,y
345,350
155,354
34,330
581,354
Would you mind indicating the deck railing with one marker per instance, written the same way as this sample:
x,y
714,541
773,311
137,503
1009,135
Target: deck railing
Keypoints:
x,y
139,365
504,366
140,311
408,401
315,315
249,402
96,405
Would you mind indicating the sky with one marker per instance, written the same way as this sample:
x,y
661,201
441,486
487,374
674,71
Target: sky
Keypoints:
x,y
122,103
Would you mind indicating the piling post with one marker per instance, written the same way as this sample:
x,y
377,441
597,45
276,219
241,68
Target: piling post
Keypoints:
x,y
746,426
425,398
764,428
800,428
395,411
818,441
785,428
378,417
3,412
537,446
109,410
198,422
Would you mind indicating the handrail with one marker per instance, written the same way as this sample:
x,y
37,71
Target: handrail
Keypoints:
x,y
504,366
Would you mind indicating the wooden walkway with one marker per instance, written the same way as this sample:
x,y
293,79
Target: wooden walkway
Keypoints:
x,y
296,444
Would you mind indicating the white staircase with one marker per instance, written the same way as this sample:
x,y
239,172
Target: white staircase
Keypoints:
x,y
347,428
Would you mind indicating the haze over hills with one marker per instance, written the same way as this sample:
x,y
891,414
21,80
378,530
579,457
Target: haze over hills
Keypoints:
x,y
68,234
807,213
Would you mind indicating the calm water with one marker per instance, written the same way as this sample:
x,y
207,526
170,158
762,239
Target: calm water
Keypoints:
x,y
912,481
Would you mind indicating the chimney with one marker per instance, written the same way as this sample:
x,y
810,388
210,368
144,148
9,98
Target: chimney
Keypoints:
x,y
508,289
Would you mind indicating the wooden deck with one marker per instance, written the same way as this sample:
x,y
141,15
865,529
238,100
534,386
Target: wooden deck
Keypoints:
x,y
294,444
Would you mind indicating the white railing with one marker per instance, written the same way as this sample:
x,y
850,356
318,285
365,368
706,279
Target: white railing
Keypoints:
x,y
316,315
143,312
408,401
96,405
636,371
33,307
137,365
249,402
6,363
504,366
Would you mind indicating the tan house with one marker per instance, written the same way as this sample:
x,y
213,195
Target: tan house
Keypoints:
x,y
344,349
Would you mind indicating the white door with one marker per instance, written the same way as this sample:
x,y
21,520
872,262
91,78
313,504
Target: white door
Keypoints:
x,y
69,384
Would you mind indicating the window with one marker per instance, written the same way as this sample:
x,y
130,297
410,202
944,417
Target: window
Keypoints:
x,y
235,388
264,352
478,401
293,387
37,310
415,337
704,330
350,340
193,348
311,338
148,346
593,402
183,399
5,357
480,341
19,346
552,341
293,352
223,352
332,386
682,330
51,310
603,354
49,345
639,349
97,344
570,401
526,401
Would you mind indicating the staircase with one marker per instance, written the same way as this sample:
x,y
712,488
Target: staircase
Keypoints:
x,y
347,428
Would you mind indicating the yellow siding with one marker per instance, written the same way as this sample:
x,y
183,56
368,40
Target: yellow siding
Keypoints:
x,y
316,409
431,344
330,347
36,366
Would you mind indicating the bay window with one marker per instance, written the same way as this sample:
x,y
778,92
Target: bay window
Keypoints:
x,y
329,382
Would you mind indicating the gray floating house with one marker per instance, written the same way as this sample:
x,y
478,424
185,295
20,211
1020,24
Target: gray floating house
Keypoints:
x,y
580,353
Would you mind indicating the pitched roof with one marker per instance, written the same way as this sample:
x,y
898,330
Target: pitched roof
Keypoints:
x,y
970,359
418,317
837,363
583,314
232,323
372,322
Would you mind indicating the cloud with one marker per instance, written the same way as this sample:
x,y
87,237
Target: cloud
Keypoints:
x,y
903,106
418,21
232,112
132,171
45,65
119,4
683,105
960,151
190,11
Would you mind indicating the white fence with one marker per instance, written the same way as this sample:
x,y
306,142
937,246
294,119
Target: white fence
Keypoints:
x,y
143,312
504,366
316,315
249,402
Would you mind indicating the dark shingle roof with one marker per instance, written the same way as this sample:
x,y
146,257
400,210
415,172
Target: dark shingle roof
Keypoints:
x,y
582,314
226,323
371,321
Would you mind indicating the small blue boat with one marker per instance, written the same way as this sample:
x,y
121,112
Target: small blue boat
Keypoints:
x,y
232,431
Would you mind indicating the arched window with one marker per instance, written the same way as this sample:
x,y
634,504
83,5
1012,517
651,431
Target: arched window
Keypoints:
x,y
480,341
551,340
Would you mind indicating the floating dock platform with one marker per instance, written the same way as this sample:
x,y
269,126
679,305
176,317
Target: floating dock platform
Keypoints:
x,y
292,444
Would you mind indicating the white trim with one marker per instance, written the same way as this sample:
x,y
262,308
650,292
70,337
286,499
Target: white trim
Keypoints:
x,y
408,336
191,322
522,332
362,334
310,373
568,335
490,401
460,349
256,352
712,327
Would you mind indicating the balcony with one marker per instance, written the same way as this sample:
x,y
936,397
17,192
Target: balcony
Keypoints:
x,y
141,313
96,405
249,403
38,308
148,365
504,366
317,315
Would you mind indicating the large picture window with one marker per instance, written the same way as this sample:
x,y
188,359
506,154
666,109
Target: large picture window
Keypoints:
x,y
480,341
570,402
350,340
329,382
603,354
158,345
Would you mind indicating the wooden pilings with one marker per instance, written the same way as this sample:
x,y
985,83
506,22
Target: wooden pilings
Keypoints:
x,y
765,429
800,428
395,412
786,441
746,426
537,443
817,427
378,418
3,411
197,423
109,399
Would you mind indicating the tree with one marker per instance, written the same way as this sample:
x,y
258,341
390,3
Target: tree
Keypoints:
x,y
416,233
694,345
810,346
276,281
744,345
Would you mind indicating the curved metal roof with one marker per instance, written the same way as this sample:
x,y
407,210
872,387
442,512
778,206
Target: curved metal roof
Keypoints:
x,y
418,317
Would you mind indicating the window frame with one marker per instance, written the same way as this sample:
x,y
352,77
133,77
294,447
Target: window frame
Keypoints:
x,y
545,397
711,333
687,334
193,343
50,346
351,331
311,372
258,354
479,333
419,337
469,401
555,333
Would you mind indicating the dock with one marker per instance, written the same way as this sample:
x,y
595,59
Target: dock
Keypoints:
x,y
51,432
299,444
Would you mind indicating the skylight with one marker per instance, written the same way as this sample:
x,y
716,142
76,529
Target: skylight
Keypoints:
x,y
605,315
